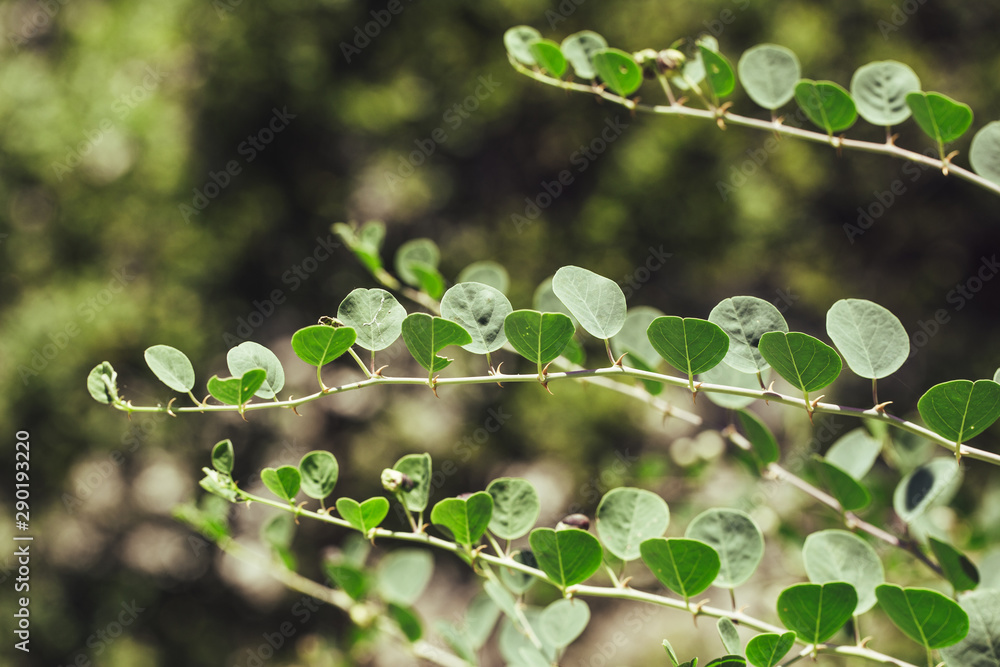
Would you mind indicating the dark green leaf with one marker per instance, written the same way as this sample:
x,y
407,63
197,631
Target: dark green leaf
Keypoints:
x,y
363,516
171,367
465,519
837,555
223,456
960,409
817,611
736,537
548,56
375,316
768,649
719,73
320,344
760,437
745,319
429,280
249,355
597,302
850,493
728,661
567,556
872,340
879,90
827,104
807,363
690,345
958,569
352,580
687,567
627,516
769,73
925,616
480,310
515,507
425,336
407,620
538,337
618,70
237,390
940,117
319,471
283,482
579,49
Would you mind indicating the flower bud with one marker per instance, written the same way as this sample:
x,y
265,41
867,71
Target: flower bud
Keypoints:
x,y
393,481
574,521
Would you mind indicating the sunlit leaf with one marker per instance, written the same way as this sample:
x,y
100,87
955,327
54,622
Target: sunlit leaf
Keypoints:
x,y
837,555
826,104
250,355
171,367
769,73
817,611
925,616
626,516
879,90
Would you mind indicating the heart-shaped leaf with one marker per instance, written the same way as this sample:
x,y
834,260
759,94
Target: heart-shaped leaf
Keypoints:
x,y
250,355
283,482
807,363
363,516
563,621
685,566
597,302
480,310
518,41
171,367
872,340
879,90
618,70
237,390
425,336
768,649
719,75
981,646
538,337
418,468
769,73
925,616
579,49
548,56
850,493
319,471
403,575
745,319
690,345
817,611
375,316
941,118
960,572
837,555
320,344
827,104
465,519
515,507
627,516
736,537
761,439
960,409
568,556
855,453
984,154
223,456
933,483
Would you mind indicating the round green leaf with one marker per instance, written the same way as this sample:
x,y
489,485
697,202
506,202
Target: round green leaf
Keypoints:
x,y
807,363
837,555
736,537
768,649
237,390
102,383
518,41
618,70
465,519
320,344
940,117
855,453
548,56
627,516
925,616
769,73
690,345
760,437
567,556
375,316
879,90
404,574
418,468
563,621
319,472
579,49
538,337
171,367
719,73
515,507
817,611
850,493
685,566
414,255
249,355
426,335
872,340
745,319
481,310
985,152
597,302
958,569
827,104
726,375
931,484
632,339
283,482
981,646
363,516
223,456
960,409
486,272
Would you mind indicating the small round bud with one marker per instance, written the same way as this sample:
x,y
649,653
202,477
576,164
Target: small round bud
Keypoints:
x,y
669,60
574,521
393,481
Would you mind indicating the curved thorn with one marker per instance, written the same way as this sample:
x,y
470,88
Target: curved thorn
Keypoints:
x,y
881,407
169,411
378,372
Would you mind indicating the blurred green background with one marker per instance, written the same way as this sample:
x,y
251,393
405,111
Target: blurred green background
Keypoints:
x,y
171,172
